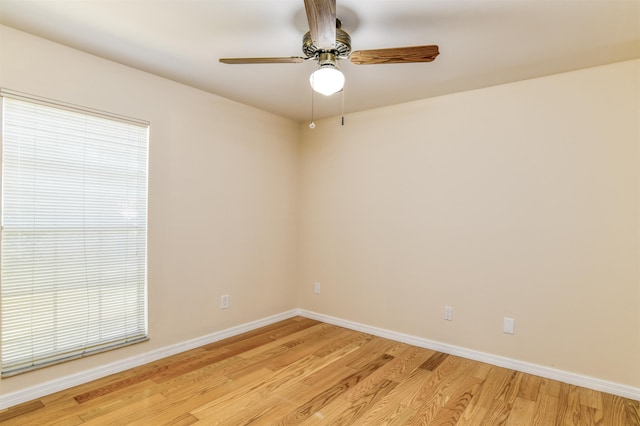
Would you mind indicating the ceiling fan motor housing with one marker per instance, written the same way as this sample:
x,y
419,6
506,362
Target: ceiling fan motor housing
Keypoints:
x,y
342,49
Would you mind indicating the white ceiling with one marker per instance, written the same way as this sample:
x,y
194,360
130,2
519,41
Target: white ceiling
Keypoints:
x,y
482,43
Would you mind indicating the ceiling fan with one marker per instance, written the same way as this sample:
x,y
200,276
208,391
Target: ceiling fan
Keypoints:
x,y
327,43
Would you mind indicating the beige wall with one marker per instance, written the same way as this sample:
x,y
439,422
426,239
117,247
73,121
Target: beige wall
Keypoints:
x,y
520,200
222,194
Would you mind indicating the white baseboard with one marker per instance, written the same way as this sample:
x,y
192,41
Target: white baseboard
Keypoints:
x,y
69,381
513,364
66,382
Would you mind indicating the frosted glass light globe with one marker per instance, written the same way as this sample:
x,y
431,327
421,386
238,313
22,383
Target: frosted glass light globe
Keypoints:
x,y
327,80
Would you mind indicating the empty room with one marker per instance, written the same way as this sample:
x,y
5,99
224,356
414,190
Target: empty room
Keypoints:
x,y
320,212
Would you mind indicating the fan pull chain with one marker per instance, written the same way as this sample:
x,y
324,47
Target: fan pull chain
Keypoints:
x,y
343,106
312,125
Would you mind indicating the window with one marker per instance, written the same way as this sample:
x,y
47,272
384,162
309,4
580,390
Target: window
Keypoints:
x,y
74,232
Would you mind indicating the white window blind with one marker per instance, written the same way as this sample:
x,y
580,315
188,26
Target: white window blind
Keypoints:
x,y
74,233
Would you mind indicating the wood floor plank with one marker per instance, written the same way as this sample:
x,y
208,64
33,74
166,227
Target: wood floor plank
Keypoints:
x,y
545,411
61,411
301,371
510,388
461,393
618,410
328,415
158,370
522,412
100,406
550,387
458,397
474,415
266,412
305,346
245,399
408,360
185,419
373,349
284,340
288,327
246,364
211,357
485,397
368,348
262,334
341,341
590,416
333,373
451,392
590,398
55,411
219,412
402,361
428,394
189,401
288,381
405,361
529,387
497,413
319,401
62,420
632,409
359,407
197,381
568,405
398,417
122,414
434,361
271,355
480,370
393,407
20,410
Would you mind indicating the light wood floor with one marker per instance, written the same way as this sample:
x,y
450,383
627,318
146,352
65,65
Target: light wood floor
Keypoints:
x,y
301,371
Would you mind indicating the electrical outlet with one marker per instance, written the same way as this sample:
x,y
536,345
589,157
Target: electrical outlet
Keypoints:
x,y
448,313
316,288
224,301
509,325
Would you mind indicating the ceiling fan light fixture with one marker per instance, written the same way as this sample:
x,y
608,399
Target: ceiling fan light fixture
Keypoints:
x,y
327,80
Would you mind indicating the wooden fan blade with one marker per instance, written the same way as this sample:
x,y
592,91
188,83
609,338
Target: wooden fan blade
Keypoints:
x,y
282,60
321,15
395,55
